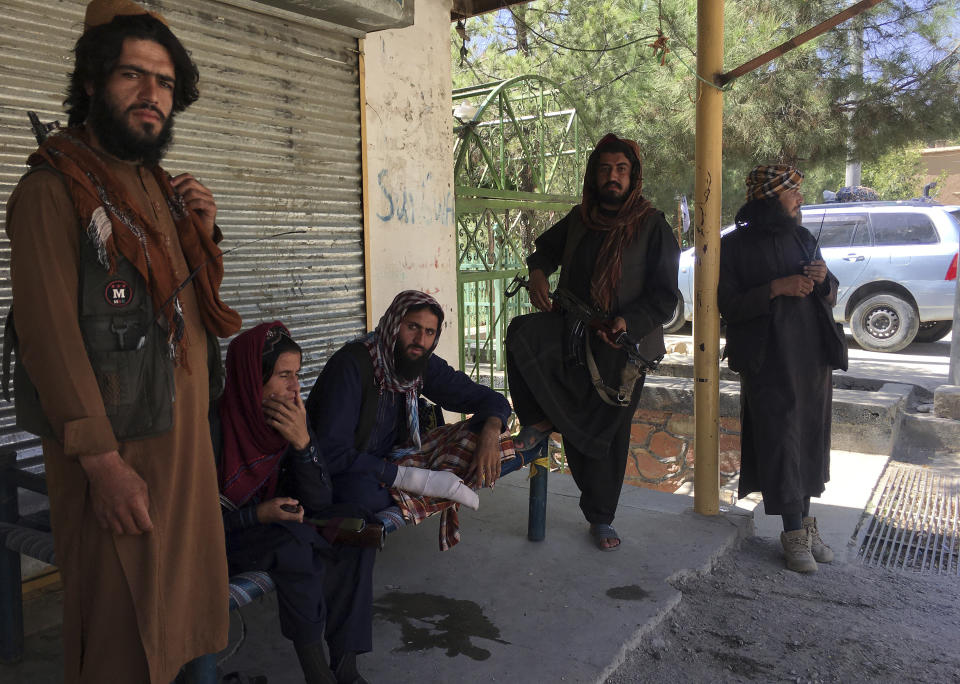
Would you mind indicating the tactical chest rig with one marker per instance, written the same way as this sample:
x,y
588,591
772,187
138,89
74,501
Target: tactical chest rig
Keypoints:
x,y
126,346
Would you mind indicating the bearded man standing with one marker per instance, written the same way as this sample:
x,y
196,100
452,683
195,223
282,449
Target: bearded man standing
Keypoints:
x,y
617,253
101,239
777,296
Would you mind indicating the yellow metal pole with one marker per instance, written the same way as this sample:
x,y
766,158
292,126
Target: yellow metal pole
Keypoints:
x,y
706,319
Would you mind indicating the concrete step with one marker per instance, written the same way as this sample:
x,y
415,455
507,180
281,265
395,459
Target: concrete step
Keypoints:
x,y
868,416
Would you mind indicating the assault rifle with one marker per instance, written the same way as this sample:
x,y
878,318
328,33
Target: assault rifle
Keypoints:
x,y
591,317
40,129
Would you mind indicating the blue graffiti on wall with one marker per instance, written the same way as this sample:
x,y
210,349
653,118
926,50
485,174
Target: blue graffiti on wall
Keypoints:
x,y
401,205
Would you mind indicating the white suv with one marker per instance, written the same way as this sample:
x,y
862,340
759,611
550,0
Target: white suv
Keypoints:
x,y
896,263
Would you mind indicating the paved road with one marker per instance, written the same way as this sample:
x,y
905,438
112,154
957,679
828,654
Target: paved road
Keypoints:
x,y
926,365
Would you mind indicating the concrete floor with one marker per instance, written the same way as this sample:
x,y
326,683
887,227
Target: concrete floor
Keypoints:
x,y
498,607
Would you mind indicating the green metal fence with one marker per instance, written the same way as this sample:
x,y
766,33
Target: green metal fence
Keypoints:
x,y
519,159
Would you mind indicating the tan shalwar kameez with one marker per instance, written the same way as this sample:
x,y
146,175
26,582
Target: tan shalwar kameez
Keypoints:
x,y
136,608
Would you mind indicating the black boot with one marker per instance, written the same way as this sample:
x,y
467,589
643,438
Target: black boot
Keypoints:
x,y
313,661
345,669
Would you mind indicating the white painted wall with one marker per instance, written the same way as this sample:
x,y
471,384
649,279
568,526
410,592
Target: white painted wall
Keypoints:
x,y
409,148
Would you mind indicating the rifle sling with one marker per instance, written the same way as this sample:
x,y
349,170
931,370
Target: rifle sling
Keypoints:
x,y
628,378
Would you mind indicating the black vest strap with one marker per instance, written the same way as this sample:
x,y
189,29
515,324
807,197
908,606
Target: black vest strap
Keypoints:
x,y
370,396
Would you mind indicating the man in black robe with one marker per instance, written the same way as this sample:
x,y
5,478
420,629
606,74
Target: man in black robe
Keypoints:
x,y
776,294
617,253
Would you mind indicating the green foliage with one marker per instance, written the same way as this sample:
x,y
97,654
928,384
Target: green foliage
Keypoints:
x,y
898,174
797,109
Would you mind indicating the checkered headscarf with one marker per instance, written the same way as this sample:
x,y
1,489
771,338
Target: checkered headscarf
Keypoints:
x,y
772,181
381,342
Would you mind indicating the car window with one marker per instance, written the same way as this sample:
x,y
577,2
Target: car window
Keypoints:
x,y
903,229
839,230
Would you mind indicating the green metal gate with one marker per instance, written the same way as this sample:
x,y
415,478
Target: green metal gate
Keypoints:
x,y
520,153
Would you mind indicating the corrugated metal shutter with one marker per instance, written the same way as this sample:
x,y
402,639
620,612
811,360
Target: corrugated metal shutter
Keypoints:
x,y
275,135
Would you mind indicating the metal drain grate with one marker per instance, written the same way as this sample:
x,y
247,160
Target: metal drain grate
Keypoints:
x,y
914,524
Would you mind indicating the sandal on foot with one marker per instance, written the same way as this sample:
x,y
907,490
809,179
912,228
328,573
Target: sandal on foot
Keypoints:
x,y
602,533
530,437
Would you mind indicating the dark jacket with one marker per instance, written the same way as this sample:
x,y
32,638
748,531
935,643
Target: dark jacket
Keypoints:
x,y
647,295
334,412
750,259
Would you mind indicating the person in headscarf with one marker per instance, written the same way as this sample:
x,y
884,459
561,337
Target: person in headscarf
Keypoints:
x,y
101,239
272,471
364,411
618,254
776,295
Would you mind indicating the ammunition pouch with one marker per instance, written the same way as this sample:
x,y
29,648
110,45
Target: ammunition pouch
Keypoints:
x,y
126,347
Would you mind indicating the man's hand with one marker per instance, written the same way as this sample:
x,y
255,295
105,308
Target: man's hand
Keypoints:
x,y
816,270
289,418
270,511
118,494
791,286
539,289
617,326
197,198
485,468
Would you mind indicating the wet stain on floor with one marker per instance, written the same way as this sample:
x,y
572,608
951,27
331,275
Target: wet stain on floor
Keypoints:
x,y
630,592
431,621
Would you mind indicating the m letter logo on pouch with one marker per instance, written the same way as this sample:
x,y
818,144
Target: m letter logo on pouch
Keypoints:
x,y
118,293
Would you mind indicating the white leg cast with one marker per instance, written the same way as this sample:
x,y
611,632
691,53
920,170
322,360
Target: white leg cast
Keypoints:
x,y
439,483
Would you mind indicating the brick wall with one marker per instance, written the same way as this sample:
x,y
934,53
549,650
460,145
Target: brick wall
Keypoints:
x,y
662,449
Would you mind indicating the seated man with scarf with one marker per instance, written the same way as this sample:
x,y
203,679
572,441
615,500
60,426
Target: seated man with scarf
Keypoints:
x,y
364,412
618,256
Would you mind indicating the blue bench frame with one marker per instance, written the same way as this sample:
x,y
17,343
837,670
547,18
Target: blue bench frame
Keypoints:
x,y
18,536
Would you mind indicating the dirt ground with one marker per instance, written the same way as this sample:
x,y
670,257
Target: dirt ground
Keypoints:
x,y
751,620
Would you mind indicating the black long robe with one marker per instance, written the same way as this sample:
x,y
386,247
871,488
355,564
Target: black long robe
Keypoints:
x,y
534,341
779,348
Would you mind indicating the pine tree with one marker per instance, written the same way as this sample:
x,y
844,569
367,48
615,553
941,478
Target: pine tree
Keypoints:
x,y
798,109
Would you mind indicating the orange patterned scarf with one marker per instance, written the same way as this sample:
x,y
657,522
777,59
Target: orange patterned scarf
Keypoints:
x,y
117,227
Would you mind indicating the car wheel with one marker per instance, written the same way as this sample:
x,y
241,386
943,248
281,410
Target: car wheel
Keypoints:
x,y
931,331
676,321
884,323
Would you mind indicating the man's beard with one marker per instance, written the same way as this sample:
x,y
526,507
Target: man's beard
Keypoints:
x,y
119,139
407,368
609,196
783,217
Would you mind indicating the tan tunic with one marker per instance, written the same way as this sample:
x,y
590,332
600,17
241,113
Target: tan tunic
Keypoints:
x,y
175,575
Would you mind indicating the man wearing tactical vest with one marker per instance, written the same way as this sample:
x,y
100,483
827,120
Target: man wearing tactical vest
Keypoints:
x,y
568,365
112,360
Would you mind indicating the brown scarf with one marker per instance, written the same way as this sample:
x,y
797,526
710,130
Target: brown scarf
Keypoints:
x,y
116,226
621,229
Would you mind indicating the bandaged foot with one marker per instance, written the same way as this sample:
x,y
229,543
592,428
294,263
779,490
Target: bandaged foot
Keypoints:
x,y
438,483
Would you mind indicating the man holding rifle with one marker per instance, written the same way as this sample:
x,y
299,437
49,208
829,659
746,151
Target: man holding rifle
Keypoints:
x,y
578,366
